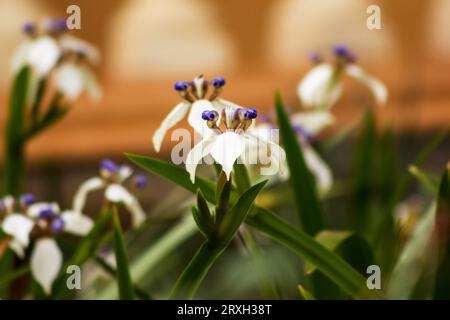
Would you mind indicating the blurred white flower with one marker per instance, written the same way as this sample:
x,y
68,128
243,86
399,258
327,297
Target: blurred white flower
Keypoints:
x,y
233,137
48,49
307,125
40,222
321,87
195,101
111,178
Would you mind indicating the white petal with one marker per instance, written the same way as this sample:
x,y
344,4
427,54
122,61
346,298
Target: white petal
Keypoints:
x,y
137,213
227,147
19,58
118,194
197,153
195,116
43,55
35,209
74,44
89,185
314,90
124,173
8,202
19,227
46,262
91,84
377,87
176,115
314,121
76,223
17,248
69,80
318,168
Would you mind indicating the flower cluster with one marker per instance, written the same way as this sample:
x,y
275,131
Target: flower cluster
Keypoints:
x,y
322,86
111,179
234,137
25,221
49,49
195,100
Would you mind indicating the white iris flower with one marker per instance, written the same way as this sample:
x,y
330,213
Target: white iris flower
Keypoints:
x,y
40,222
322,86
111,180
48,49
233,137
195,101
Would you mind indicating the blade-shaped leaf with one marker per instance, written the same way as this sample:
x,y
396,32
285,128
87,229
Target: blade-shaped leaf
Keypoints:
x,y
364,175
414,259
236,216
301,179
352,247
346,277
123,276
14,148
427,180
442,287
305,294
275,227
175,174
193,275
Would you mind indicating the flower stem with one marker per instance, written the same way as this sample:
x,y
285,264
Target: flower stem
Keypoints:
x,y
191,278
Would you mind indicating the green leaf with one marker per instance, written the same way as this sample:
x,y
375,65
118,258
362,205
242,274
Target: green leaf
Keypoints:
x,y
202,216
330,264
89,244
352,247
278,229
175,174
125,284
234,218
305,294
14,148
302,181
442,286
193,275
415,259
364,168
142,268
427,180
105,265
241,177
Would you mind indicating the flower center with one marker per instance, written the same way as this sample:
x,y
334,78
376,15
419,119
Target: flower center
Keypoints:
x,y
198,89
237,120
49,223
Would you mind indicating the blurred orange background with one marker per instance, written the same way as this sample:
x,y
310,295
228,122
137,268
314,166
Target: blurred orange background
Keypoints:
x,y
259,46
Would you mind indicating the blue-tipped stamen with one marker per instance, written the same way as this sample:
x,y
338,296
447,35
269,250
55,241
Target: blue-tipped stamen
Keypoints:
x,y
210,115
344,52
250,114
46,213
218,82
28,27
27,199
109,166
58,225
59,25
315,57
140,181
181,86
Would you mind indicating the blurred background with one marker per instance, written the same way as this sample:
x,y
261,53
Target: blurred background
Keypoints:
x,y
259,46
